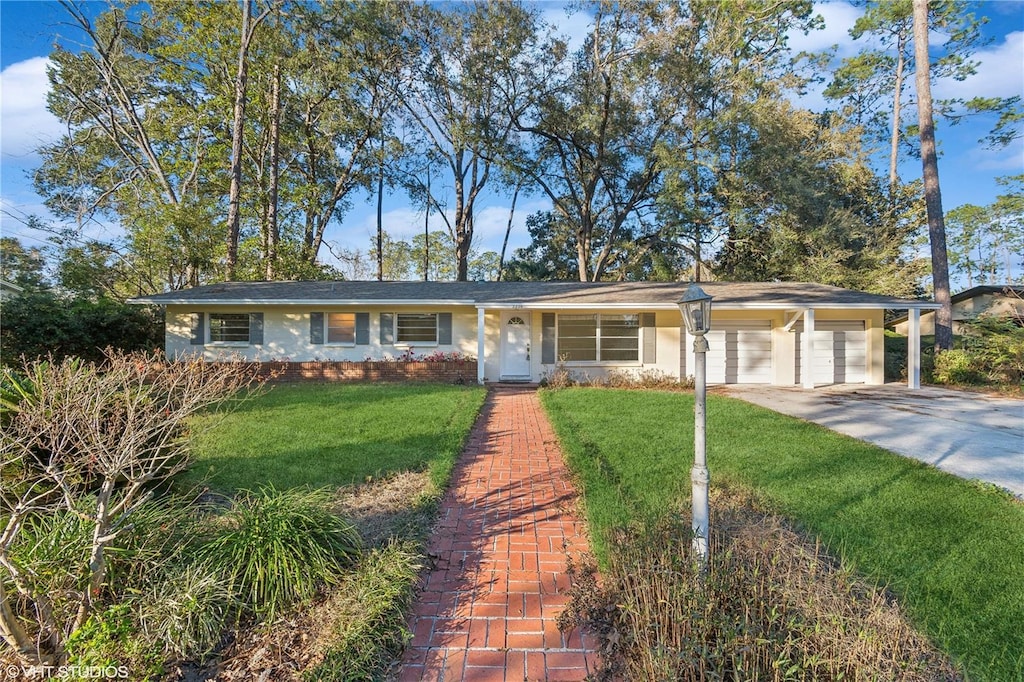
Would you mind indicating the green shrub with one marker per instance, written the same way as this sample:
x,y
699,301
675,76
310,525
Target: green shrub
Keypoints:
x,y
895,357
275,548
107,642
41,324
998,346
958,366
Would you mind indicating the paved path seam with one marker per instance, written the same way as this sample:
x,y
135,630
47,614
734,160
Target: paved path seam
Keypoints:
x,y
487,608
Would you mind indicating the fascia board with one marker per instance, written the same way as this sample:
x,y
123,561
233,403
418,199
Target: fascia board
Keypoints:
x,y
300,302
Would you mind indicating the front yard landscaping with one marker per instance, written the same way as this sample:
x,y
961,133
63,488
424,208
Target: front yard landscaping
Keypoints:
x,y
289,549
385,452
952,551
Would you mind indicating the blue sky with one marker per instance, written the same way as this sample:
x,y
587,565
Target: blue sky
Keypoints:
x,y
967,169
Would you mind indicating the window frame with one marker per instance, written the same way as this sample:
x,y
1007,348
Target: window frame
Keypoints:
x,y
406,343
224,342
637,360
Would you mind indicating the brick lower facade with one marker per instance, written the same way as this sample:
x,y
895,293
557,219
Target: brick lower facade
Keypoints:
x,y
365,372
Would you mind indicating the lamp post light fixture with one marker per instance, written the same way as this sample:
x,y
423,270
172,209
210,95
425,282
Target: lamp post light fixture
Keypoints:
x,y
695,307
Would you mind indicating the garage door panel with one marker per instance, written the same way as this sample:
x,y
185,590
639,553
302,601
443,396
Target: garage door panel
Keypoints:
x,y
740,352
840,352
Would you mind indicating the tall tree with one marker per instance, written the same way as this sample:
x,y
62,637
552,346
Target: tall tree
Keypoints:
x,y
137,146
452,96
872,83
247,32
932,190
986,243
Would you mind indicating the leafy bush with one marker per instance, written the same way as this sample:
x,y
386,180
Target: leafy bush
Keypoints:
x,y
38,325
768,606
563,377
958,366
274,548
895,356
108,642
990,351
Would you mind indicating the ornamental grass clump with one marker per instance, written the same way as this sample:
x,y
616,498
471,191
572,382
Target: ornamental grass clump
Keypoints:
x,y
275,548
770,606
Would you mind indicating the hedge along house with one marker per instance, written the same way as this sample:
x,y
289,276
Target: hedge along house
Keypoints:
x,y
780,333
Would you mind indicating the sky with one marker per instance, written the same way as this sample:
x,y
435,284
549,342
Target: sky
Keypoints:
x,y
967,169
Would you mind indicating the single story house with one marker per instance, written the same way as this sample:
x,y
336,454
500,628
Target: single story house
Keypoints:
x,y
781,333
1005,300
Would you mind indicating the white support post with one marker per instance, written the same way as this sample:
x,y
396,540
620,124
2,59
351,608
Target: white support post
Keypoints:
x,y
807,350
480,338
914,349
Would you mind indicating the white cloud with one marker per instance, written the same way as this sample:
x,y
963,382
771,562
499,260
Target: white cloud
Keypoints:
x,y
1001,161
839,19
25,123
571,26
999,72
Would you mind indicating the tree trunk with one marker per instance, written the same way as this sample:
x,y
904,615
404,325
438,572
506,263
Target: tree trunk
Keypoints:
x,y
426,232
508,230
932,195
380,221
894,140
273,231
237,134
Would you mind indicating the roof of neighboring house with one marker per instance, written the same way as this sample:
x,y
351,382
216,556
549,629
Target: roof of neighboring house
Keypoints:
x,y
9,286
729,295
987,289
973,292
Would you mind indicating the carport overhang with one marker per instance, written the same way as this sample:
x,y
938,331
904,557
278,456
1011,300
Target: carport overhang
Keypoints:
x,y
913,342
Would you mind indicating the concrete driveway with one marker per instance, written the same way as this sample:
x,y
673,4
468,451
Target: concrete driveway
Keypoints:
x,y
966,434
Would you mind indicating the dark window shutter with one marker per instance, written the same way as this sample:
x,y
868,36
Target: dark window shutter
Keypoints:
x,y
547,339
362,328
444,329
387,329
198,330
650,338
316,328
255,329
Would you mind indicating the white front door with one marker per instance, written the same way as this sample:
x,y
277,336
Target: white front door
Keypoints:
x,y
515,345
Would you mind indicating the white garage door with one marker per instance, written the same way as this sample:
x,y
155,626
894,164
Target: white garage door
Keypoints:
x,y
840,352
740,352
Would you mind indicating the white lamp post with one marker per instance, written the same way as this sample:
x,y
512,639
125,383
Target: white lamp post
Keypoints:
x,y
695,306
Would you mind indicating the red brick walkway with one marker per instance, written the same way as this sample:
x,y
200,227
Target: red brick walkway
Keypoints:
x,y
488,606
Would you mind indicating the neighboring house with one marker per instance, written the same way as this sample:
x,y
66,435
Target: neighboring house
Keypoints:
x,y
1004,300
8,289
521,330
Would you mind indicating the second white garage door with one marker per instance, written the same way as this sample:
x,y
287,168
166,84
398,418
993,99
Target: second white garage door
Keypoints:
x,y
740,352
840,352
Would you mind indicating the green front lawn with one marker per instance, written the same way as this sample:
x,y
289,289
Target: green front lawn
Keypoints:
x,y
317,435
952,551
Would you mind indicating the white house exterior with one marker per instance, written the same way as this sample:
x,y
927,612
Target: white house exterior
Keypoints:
x,y
779,333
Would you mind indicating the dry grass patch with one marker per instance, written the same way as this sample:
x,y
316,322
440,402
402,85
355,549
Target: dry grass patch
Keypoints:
x,y
388,507
771,606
